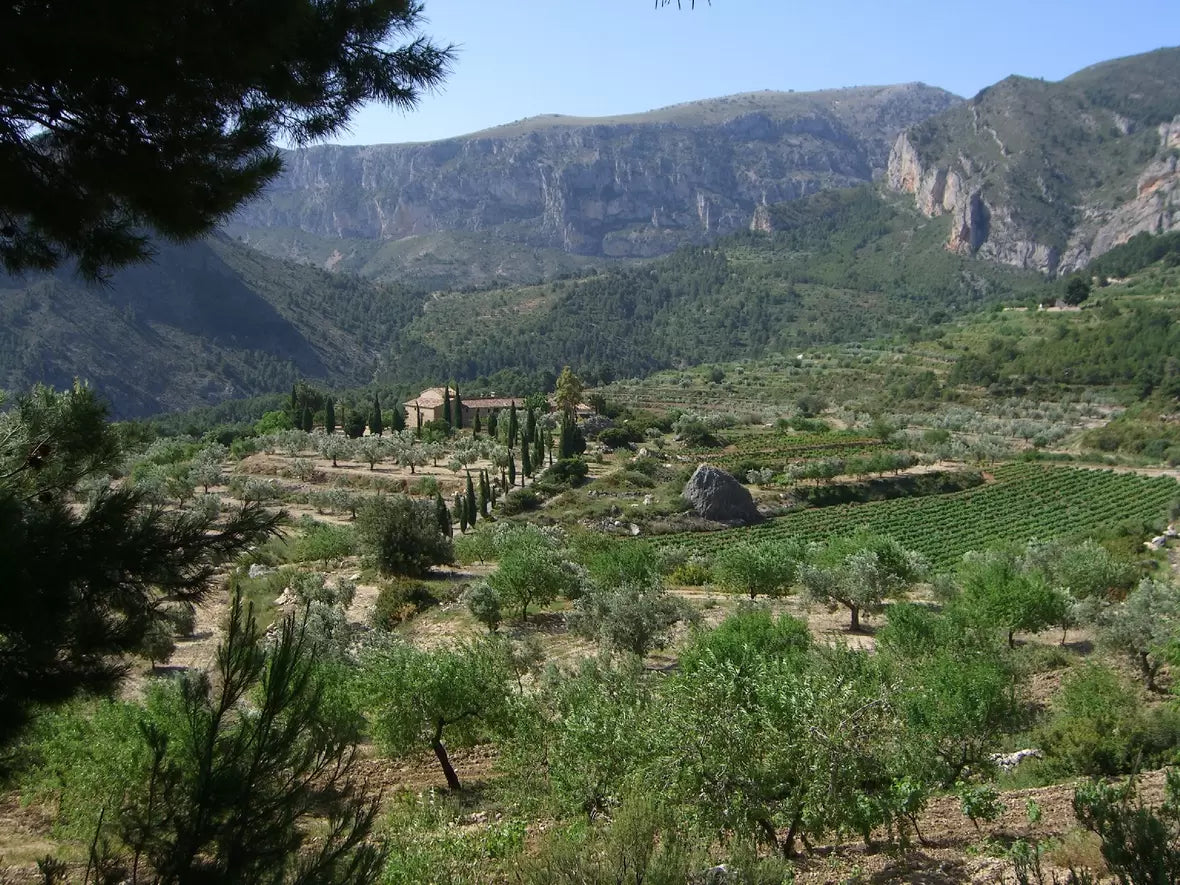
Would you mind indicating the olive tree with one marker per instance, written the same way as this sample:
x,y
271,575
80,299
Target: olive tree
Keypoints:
x,y
1143,625
758,568
421,697
860,572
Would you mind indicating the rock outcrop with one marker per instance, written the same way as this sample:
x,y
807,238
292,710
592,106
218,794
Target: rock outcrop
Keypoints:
x,y
716,495
1046,176
627,186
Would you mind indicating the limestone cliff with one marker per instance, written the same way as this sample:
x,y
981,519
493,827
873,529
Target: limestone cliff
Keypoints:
x,y
625,186
1046,176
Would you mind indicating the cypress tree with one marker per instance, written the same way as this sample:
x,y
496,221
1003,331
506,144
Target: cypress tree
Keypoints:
x,y
464,518
418,419
294,400
526,464
376,425
475,425
306,421
511,469
530,425
539,450
493,423
442,515
484,495
513,426
330,416
471,506
446,415
457,407
397,420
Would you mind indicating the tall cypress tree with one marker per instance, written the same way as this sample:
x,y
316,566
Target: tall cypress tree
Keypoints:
x,y
306,420
442,515
484,493
330,416
475,428
446,415
457,407
376,424
530,425
471,506
513,426
526,463
511,469
493,423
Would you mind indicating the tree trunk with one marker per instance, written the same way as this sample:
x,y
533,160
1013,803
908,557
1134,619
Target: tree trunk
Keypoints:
x,y
1011,639
855,626
443,759
1148,670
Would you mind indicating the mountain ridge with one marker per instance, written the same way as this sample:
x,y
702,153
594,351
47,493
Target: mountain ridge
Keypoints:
x,y
620,187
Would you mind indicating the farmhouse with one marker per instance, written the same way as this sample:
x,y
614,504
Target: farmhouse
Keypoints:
x,y
428,406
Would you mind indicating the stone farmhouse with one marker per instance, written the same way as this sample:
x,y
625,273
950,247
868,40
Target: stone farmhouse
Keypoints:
x,y
428,406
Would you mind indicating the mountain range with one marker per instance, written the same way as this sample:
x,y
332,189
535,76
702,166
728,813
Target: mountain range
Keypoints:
x,y
534,244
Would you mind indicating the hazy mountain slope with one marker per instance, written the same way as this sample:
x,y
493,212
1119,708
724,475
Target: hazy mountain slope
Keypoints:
x,y
202,323
630,186
1047,175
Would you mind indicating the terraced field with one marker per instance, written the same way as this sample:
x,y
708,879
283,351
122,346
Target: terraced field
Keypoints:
x,y
1025,501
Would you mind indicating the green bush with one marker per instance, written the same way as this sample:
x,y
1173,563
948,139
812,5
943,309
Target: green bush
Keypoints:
x,y
400,600
1100,727
402,535
323,541
519,501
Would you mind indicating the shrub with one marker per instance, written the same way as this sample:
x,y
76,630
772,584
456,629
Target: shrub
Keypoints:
x,y
519,501
402,535
399,600
322,541
484,604
567,471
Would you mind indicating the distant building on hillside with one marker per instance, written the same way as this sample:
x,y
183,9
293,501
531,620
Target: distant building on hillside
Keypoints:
x,y
428,406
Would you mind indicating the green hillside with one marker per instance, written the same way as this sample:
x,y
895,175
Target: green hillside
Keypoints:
x,y
840,266
202,323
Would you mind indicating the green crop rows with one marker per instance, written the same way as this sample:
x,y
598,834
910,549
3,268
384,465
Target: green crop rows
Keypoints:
x,y
1026,501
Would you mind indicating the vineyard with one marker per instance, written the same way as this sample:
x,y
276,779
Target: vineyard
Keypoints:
x,y
1025,501
777,450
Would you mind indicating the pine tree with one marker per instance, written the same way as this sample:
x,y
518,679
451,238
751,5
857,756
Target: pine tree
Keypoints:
x,y
330,416
513,426
376,425
471,506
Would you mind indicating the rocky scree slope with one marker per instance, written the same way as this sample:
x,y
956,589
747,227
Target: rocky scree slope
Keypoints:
x,y
1045,176
630,186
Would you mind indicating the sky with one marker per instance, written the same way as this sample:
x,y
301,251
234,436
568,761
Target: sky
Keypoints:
x,y
521,58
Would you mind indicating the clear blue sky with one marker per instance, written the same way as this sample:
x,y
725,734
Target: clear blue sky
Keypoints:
x,y
520,58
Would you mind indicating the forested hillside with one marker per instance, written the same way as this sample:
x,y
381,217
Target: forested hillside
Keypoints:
x,y
201,324
839,266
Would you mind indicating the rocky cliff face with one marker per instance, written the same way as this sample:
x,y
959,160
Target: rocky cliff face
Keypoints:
x,y
1046,176
628,186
